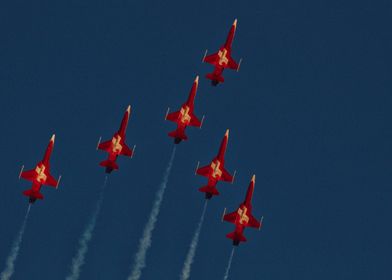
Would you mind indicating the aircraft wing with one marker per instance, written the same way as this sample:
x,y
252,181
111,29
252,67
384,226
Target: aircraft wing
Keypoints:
x,y
126,151
51,181
173,116
211,59
105,145
253,222
231,217
28,175
195,121
232,64
226,176
203,171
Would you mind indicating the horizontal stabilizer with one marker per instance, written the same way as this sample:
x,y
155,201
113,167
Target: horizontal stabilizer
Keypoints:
x,y
33,194
109,164
236,237
178,134
209,189
213,77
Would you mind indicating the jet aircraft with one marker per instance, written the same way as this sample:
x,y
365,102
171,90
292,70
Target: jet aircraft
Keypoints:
x,y
243,217
40,175
222,59
185,116
116,146
215,171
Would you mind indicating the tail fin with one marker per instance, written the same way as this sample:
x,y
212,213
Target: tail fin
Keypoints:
x,y
209,189
236,236
109,164
217,78
33,194
178,134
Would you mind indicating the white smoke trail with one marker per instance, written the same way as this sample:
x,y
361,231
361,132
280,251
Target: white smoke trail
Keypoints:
x,y
10,263
229,265
79,259
186,269
145,240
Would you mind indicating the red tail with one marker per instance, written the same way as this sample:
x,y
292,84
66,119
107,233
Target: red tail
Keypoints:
x,y
216,78
109,164
209,189
236,236
33,194
178,134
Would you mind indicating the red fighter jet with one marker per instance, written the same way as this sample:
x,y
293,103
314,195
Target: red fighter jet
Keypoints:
x,y
216,170
116,146
243,218
40,175
222,59
185,117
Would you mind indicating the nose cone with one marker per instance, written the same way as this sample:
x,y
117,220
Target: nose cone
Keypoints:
x,y
235,23
227,133
249,193
129,109
53,138
197,80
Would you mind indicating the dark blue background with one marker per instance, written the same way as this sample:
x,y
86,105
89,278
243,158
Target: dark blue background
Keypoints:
x,y
309,113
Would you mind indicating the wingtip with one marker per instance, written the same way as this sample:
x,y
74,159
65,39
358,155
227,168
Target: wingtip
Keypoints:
x,y
53,138
235,23
197,79
129,109
227,133
254,178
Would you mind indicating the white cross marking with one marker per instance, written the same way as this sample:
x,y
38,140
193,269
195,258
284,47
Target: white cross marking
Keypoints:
x,y
117,147
217,172
244,218
184,113
41,176
223,60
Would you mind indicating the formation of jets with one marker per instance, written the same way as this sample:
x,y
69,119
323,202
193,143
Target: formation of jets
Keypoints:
x,y
184,117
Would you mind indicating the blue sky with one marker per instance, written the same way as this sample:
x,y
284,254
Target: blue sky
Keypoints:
x,y
309,113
